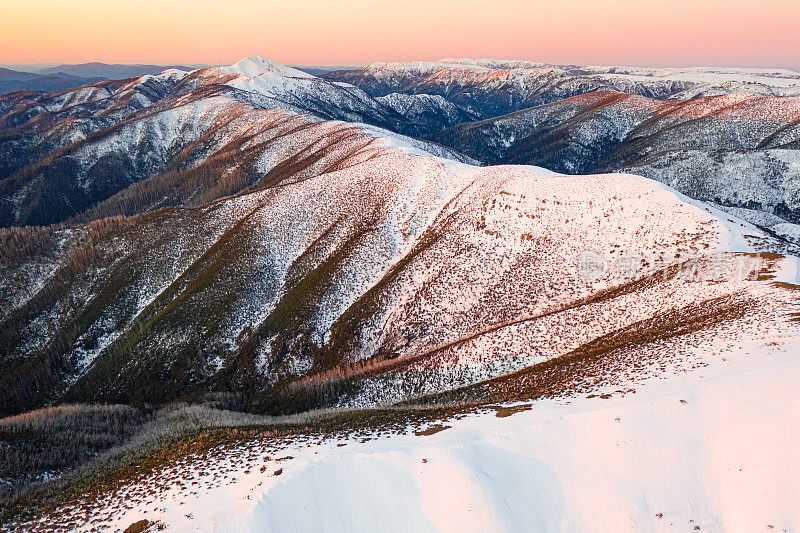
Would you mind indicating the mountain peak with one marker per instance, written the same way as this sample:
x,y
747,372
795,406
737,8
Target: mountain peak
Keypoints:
x,y
257,65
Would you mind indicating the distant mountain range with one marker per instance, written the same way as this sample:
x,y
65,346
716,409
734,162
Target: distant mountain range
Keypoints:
x,y
113,71
11,80
60,77
725,135
319,70
710,123
491,88
736,150
67,76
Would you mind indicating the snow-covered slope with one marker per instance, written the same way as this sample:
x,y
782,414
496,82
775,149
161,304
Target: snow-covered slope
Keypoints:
x,y
288,292
432,113
738,150
703,440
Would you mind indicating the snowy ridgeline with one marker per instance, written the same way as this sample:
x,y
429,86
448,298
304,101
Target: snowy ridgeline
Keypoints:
x,y
491,87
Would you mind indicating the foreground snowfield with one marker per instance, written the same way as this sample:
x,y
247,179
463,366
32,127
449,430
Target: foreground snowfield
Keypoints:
x,y
723,460
712,446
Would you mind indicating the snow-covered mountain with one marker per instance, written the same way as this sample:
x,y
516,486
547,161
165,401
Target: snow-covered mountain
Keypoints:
x,y
300,262
63,153
255,237
490,88
738,150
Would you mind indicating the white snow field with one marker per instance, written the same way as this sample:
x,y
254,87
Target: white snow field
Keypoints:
x,y
714,448
724,460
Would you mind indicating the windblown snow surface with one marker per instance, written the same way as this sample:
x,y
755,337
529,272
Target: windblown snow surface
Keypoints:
x,y
713,448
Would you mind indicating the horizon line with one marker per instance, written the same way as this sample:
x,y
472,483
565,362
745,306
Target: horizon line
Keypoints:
x,y
198,64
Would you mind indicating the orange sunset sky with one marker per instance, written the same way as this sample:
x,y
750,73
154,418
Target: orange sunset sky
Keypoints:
x,y
316,32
